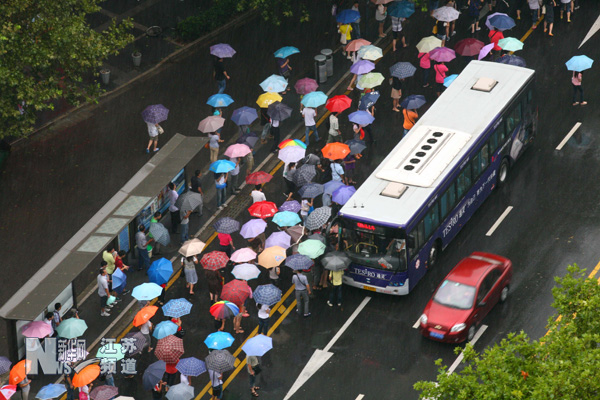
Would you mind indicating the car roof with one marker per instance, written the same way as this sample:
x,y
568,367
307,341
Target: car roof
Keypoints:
x,y
471,269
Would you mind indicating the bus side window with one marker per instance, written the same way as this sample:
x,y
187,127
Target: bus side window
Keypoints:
x,y
514,119
420,234
480,161
529,96
432,220
448,201
500,134
463,183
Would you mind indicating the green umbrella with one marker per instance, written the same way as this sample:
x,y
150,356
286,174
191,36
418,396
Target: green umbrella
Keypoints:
x,y
71,328
370,80
311,248
510,44
111,351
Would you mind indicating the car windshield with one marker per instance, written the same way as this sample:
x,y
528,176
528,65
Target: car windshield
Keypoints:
x,y
455,295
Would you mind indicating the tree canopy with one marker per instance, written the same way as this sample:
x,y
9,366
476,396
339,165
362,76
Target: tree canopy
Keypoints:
x,y
47,48
563,364
276,10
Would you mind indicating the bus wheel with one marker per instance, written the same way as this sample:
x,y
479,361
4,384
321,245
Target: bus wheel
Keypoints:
x,y
434,253
503,172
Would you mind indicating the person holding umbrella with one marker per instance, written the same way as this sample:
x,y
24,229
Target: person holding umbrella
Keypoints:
x,y
221,186
410,117
191,276
254,369
576,80
220,74
153,133
440,74
335,135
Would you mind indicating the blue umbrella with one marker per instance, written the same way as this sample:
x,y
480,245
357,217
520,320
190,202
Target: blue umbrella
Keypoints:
x,y
181,391
356,147
502,22
511,59
244,115
343,194
347,16
160,271
118,278
164,329
219,340
286,51
368,100
286,218
258,345
298,262
51,391
222,166
362,67
155,114
274,83
361,117
314,99
311,190
219,100
191,366
153,374
332,186
413,101
449,79
226,225
146,291
401,9
402,70
267,294
222,50
579,63
177,308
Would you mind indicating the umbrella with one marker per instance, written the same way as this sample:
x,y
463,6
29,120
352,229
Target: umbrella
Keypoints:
x,y
144,315
274,83
224,309
511,59
295,232
311,190
291,205
428,43
236,291
280,239
286,218
262,209
319,237
160,271
37,329
272,256
401,9
500,21
265,99
219,100
368,100
445,14
402,70
7,391
292,142
244,115
362,67
510,44
336,261
469,47
286,51
370,80
189,201
343,194
360,117
160,234
314,99
347,16
222,166
146,291
5,364
51,391
357,44
155,114
248,138
449,79
579,63
485,50
214,260
124,398
279,111
332,186
192,247
177,308
305,86
339,103
305,174
312,159
211,124
318,218
237,150
413,102
253,228
336,150
111,351
442,54
153,374
119,279
291,154
104,392
220,361
219,340
181,391
191,366
169,349
73,327
298,262
267,294
133,343
356,146
87,375
258,345
370,52
258,178
246,272
226,225
222,50
243,255
311,248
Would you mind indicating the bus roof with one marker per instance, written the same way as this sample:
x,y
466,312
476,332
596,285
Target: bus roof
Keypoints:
x,y
419,163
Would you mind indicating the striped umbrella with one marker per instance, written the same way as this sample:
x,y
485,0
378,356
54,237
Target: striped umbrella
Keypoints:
x,y
236,291
224,309
214,260
267,294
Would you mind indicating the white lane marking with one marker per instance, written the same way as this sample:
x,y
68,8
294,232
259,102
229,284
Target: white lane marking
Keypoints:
x,y
461,355
360,397
347,324
416,325
566,139
499,221
595,28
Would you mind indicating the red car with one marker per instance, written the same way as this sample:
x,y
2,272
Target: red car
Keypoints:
x,y
465,297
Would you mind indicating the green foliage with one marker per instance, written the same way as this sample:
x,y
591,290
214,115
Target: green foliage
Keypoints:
x,y
220,13
46,48
275,10
561,365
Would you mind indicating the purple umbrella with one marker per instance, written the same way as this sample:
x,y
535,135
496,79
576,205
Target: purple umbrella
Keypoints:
x,y
442,54
343,194
244,115
280,239
291,205
253,228
155,114
249,139
361,117
306,85
331,186
485,50
222,50
362,67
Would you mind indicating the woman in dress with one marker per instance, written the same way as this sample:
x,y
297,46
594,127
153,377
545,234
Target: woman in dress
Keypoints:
x,y
189,268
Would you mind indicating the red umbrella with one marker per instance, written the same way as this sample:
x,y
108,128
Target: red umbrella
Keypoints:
x,y
258,178
7,391
338,103
236,292
263,209
469,47
214,260
306,85
169,349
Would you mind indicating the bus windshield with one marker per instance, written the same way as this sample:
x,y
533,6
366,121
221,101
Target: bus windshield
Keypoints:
x,y
455,295
375,250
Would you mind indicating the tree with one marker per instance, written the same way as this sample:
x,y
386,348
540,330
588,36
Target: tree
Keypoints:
x,y
47,48
563,364
275,10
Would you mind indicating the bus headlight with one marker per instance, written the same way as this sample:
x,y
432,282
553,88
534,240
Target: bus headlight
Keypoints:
x,y
458,327
423,319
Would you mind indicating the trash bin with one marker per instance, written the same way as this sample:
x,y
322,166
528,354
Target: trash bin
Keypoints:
x,y
321,68
328,53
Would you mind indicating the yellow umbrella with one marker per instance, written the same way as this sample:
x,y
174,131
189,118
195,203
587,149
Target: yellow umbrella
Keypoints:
x,y
267,98
272,257
428,43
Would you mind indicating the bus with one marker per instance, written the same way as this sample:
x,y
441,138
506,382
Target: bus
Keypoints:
x,y
422,194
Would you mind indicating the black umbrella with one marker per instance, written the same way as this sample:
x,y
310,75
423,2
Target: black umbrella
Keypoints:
x,y
305,174
279,111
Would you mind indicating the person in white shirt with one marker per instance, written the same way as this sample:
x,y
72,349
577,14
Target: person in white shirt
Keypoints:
x,y
334,129
309,115
175,218
257,194
276,135
153,133
145,330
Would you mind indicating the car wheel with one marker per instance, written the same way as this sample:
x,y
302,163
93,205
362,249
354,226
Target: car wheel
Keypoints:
x,y
503,172
471,333
434,254
504,294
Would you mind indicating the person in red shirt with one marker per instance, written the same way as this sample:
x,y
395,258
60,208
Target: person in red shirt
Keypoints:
x,y
425,64
440,74
495,36
119,261
226,243
171,373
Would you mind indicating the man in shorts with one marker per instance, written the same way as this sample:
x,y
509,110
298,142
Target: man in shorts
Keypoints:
x,y
397,32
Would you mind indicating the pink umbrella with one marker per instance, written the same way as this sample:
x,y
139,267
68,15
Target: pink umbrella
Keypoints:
x,y
306,85
237,150
442,54
357,44
485,50
37,329
243,255
211,124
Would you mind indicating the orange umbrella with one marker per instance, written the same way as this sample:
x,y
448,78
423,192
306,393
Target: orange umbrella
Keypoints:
x,y
144,315
19,372
86,376
336,151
